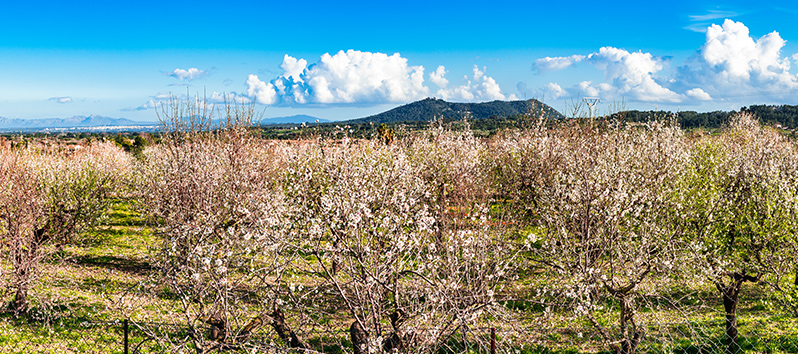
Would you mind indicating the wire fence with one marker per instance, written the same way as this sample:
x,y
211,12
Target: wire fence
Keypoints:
x,y
760,335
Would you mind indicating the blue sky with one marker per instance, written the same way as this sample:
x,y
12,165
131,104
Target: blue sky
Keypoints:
x,y
339,60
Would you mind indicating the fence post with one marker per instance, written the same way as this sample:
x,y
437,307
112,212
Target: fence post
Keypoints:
x,y
492,340
125,326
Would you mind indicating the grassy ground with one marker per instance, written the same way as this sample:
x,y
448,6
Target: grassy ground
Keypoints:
x,y
77,308
73,304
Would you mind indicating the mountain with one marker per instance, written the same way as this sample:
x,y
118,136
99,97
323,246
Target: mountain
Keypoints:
x,y
91,121
432,108
295,119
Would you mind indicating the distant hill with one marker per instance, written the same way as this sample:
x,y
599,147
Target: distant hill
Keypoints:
x,y
295,119
432,108
10,124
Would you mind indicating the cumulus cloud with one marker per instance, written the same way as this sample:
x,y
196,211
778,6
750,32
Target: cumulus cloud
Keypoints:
x,y
262,92
190,74
150,104
363,78
345,77
547,92
479,87
64,99
698,94
627,75
293,67
437,77
225,97
631,75
548,64
590,89
553,91
165,97
730,63
153,102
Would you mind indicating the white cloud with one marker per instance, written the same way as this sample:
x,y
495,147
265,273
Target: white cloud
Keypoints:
x,y
190,74
477,88
231,97
150,104
732,63
346,77
553,91
712,15
627,75
733,53
698,94
64,99
522,87
293,68
364,78
632,75
588,89
155,101
262,92
548,64
209,102
437,77
700,22
729,64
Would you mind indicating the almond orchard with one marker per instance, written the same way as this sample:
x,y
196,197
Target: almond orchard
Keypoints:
x,y
574,235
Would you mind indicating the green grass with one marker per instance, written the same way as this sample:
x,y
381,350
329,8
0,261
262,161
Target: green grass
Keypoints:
x,y
83,283
78,285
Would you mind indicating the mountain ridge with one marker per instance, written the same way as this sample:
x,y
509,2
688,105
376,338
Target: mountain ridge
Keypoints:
x,y
429,109
77,121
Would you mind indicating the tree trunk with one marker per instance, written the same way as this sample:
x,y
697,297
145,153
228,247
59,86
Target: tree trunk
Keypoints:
x,y
395,341
730,301
629,331
20,303
359,338
25,261
285,332
731,294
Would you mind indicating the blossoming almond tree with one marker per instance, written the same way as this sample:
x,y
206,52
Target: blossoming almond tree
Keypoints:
x,y
782,223
209,189
48,199
604,237
738,207
407,279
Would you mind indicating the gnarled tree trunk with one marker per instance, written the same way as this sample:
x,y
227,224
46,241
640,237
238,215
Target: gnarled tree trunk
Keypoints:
x,y
359,338
285,332
24,256
731,293
629,331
